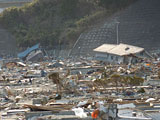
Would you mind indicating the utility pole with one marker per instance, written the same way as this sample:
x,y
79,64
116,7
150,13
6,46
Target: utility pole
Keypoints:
x,y
79,48
117,33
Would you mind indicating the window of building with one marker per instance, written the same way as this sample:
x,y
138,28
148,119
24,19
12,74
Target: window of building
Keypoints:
x,y
111,57
116,58
141,53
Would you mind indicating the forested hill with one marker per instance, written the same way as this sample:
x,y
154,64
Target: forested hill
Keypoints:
x,y
56,22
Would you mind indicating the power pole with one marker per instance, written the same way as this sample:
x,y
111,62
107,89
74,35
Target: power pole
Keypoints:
x,y
117,33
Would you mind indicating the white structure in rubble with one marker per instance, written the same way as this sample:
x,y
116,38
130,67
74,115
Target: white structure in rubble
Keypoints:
x,y
121,53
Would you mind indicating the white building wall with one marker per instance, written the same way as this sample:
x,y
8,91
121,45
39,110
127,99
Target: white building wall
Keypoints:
x,y
120,59
109,58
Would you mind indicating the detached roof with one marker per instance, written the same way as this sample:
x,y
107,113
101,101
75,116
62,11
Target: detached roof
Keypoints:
x,y
26,52
121,49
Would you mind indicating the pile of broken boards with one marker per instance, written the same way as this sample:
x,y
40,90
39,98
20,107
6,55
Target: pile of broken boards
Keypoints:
x,y
67,109
33,105
30,100
44,109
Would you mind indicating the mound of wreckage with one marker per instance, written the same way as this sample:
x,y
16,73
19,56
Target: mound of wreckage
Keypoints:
x,y
79,90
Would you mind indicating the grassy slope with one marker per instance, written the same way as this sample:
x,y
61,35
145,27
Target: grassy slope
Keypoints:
x,y
53,22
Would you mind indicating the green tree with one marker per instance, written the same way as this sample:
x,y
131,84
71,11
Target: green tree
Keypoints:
x,y
69,8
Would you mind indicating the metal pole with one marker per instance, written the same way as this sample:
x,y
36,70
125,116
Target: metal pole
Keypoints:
x,y
117,33
74,45
79,50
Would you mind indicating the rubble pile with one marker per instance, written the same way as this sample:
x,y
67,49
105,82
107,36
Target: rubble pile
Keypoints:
x,y
77,89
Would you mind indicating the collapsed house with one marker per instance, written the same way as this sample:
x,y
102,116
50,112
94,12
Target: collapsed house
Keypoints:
x,y
32,54
121,53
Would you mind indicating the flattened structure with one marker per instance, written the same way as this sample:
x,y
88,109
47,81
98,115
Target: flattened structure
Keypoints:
x,y
26,52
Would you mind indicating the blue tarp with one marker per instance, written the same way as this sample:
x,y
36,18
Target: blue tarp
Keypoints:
x,y
26,52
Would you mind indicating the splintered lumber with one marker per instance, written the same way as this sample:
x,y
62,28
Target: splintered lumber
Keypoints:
x,y
2,107
55,108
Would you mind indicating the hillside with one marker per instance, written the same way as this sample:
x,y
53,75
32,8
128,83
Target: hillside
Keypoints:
x,y
56,22
138,25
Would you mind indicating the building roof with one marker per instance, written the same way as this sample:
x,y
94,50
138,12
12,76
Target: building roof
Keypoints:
x,y
26,52
121,49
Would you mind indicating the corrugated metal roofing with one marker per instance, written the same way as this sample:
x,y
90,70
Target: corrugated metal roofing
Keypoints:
x,y
121,49
26,52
